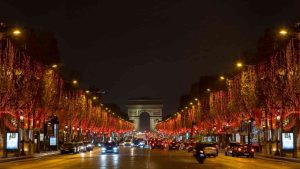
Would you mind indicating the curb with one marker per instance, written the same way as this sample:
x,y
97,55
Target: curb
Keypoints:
x,y
15,158
27,157
279,158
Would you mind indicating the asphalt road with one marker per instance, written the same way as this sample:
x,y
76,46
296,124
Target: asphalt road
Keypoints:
x,y
134,158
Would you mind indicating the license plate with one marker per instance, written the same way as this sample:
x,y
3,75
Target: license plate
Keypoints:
x,y
246,153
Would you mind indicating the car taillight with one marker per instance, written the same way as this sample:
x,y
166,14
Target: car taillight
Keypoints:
x,y
252,150
239,149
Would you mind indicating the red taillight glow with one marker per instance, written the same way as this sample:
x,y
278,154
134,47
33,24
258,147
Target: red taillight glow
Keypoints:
x,y
252,150
239,149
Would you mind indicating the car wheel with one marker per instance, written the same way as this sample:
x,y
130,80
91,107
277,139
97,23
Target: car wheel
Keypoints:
x,y
247,156
252,156
225,153
232,155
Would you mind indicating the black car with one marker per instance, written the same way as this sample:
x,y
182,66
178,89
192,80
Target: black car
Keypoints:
x,y
68,148
110,147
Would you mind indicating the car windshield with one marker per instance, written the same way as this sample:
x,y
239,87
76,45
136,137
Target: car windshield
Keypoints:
x,y
109,144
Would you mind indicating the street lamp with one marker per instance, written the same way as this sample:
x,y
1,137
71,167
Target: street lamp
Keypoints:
x,y
277,139
16,32
222,78
22,128
54,66
75,82
283,32
239,64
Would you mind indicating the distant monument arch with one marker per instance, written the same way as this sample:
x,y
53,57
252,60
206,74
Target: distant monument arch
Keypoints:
x,y
144,112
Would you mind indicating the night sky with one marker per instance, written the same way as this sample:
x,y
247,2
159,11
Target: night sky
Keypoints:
x,y
154,48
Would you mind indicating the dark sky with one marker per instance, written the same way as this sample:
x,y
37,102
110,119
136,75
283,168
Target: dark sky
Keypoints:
x,y
154,48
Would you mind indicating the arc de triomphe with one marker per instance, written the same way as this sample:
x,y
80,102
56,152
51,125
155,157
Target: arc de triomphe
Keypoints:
x,y
138,106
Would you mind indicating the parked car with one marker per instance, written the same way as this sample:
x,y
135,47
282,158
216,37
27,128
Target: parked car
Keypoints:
x,y
80,146
89,146
68,148
110,147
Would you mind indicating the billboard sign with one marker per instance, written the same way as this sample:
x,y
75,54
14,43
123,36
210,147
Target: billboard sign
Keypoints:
x,y
12,142
287,141
52,141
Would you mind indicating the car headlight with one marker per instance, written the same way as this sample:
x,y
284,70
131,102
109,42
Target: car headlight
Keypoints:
x,y
201,151
103,148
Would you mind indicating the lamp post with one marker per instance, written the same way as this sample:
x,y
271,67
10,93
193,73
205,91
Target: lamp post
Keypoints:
x,y
22,128
66,134
250,130
277,135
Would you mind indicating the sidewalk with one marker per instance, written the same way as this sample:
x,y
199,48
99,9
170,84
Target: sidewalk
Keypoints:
x,y
287,158
35,155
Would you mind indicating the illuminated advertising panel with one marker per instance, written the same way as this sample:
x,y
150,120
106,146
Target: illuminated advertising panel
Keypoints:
x,y
287,141
52,141
12,141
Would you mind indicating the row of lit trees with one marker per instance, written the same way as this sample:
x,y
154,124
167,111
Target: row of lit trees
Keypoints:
x,y
32,93
265,94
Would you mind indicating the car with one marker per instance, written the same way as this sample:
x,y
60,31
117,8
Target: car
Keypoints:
x,y
68,147
89,145
142,143
243,150
174,145
190,145
121,143
210,151
81,147
128,143
157,144
229,149
211,148
110,147
136,142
